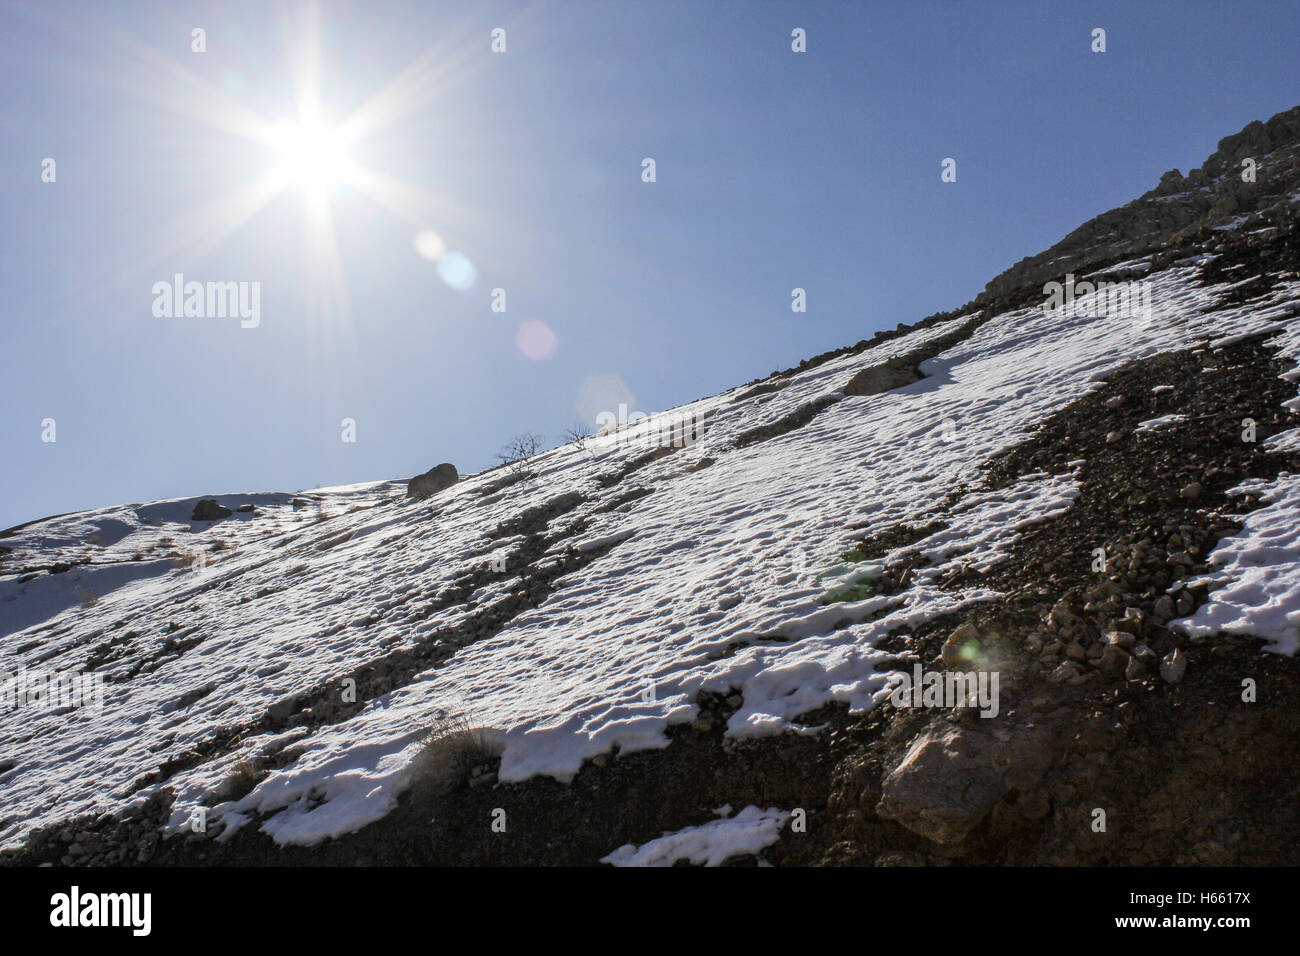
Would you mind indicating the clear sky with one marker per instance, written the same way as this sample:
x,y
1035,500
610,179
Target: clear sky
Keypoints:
x,y
774,170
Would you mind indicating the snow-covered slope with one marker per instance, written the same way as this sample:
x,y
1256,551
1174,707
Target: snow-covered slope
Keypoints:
x,y
712,579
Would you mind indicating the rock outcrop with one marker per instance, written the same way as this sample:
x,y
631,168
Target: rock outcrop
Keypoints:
x,y
209,510
432,481
1212,195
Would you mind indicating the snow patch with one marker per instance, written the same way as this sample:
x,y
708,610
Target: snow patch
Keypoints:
x,y
749,832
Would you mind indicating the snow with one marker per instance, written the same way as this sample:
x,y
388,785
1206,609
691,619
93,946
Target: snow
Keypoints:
x,y
1259,570
1259,567
749,832
738,554
1151,424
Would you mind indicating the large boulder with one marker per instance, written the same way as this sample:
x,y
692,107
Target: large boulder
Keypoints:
x,y
432,481
945,784
209,510
952,776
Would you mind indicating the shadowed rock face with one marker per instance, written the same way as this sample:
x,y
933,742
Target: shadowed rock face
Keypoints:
x,y
432,481
209,510
881,378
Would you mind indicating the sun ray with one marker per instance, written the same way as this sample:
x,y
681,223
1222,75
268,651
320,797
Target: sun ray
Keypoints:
x,y
169,86
196,233
304,58
309,152
327,287
432,74
428,76
410,202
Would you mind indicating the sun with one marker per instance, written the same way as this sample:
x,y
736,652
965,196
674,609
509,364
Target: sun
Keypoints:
x,y
310,151
309,155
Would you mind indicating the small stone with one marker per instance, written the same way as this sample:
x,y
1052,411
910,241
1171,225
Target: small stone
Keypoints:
x,y
1075,651
1115,401
1067,671
1114,659
1134,670
1164,607
1144,654
1112,437
1121,639
1192,491
1173,666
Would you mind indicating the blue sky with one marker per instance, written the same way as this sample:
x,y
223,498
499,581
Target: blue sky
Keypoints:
x,y
775,170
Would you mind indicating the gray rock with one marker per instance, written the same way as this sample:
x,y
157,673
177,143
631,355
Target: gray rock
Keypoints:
x,y
1114,659
1068,670
1173,666
432,481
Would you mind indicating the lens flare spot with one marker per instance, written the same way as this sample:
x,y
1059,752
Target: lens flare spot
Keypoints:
x,y
457,271
535,339
603,394
430,245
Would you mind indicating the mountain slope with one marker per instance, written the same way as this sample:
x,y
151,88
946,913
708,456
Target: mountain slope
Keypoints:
x,y
642,632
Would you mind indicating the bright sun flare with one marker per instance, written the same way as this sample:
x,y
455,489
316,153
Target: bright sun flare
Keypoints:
x,y
310,155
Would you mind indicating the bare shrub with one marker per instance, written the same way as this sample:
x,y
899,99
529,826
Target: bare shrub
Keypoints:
x,y
184,560
241,781
520,448
452,750
577,434
516,453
